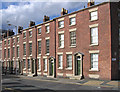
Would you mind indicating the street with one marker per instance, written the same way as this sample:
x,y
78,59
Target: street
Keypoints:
x,y
12,83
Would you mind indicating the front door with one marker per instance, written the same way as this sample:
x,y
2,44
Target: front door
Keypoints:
x,y
33,66
78,65
51,67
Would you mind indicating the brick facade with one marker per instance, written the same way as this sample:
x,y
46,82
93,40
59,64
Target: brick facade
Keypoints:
x,y
107,48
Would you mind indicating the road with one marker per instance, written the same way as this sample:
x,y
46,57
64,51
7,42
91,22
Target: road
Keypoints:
x,y
19,84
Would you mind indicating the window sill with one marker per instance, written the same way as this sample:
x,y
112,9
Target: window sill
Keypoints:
x,y
47,54
68,68
93,20
60,68
60,27
91,70
39,54
39,70
60,47
30,36
24,55
47,32
31,55
73,46
94,45
72,25
39,34
24,38
24,69
45,71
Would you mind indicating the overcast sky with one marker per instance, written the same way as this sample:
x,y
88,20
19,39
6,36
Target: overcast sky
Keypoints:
x,y
21,13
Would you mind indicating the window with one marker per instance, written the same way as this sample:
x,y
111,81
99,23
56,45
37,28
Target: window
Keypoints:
x,y
30,33
73,38
94,35
8,42
24,49
24,63
13,51
94,61
61,24
8,53
39,31
17,39
30,48
4,53
47,29
17,51
28,63
4,42
69,61
119,35
39,65
94,15
72,21
24,35
39,47
45,64
61,40
47,46
13,40
60,61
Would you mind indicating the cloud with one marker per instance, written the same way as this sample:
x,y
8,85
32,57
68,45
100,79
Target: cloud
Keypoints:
x,y
21,13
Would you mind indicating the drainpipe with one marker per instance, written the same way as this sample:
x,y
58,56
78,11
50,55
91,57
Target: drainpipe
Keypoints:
x,y
55,50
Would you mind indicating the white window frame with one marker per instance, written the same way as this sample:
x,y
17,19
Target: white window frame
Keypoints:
x,y
30,33
61,24
72,21
94,58
47,28
94,15
60,61
61,40
45,64
39,31
73,39
94,36
28,64
69,61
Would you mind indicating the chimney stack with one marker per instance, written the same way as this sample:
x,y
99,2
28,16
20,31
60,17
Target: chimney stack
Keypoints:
x,y
8,33
20,29
64,11
46,18
31,24
90,3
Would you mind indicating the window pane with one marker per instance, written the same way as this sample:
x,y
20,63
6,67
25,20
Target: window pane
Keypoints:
x,y
94,61
94,35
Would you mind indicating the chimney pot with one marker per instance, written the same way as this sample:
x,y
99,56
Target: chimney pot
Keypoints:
x,y
90,3
19,29
64,11
46,18
31,24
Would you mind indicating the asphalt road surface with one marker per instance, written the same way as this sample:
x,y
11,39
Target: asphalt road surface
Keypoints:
x,y
18,84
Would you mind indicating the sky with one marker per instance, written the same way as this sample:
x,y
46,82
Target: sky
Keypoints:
x,y
21,12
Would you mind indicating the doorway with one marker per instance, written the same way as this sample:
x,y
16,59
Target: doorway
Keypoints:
x,y
51,67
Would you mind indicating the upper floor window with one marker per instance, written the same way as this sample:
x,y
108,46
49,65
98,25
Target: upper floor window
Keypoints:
x,y
72,21
94,15
13,40
39,47
30,48
17,51
17,39
24,35
39,31
8,42
47,46
4,42
94,61
13,52
9,53
47,29
30,33
24,49
73,38
61,40
61,24
94,35
4,53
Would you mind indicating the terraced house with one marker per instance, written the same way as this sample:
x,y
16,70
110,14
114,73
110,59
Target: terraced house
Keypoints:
x,y
81,44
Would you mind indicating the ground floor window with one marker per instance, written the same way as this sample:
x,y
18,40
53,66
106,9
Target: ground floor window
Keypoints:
x,y
45,64
24,61
69,61
94,61
60,61
39,65
28,63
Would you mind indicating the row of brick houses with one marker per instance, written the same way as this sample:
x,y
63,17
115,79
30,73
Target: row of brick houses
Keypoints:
x,y
81,44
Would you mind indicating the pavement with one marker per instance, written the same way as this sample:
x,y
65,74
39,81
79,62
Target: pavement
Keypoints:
x,y
85,82
22,83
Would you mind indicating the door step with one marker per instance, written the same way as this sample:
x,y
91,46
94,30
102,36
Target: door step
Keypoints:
x,y
76,77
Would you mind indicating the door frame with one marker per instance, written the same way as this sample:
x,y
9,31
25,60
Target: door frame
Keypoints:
x,y
81,65
53,59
